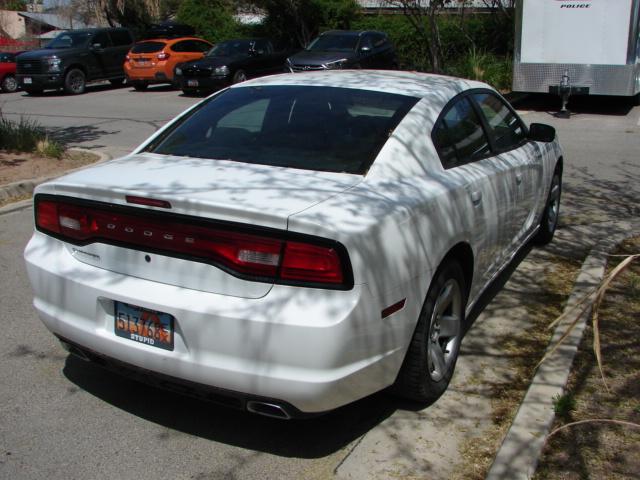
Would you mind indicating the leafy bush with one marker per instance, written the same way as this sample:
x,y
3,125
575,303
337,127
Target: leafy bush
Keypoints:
x,y
211,19
27,136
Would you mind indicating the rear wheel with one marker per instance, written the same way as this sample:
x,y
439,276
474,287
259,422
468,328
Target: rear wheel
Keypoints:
x,y
431,358
74,81
9,84
549,220
140,86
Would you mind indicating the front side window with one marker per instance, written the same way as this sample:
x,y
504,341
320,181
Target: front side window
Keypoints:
x,y
307,127
508,131
101,39
459,136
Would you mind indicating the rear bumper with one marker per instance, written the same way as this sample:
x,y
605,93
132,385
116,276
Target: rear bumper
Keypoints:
x,y
40,81
311,349
204,83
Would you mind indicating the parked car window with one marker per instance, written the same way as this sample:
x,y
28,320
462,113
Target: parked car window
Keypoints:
x,y
184,46
69,40
148,47
379,40
201,46
263,47
231,47
7,58
121,37
101,38
508,131
459,136
312,128
366,41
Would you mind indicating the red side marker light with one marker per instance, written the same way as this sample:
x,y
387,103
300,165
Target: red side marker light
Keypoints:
x,y
393,308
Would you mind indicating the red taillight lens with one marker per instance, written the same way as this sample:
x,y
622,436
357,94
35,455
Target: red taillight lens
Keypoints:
x,y
245,254
163,56
311,263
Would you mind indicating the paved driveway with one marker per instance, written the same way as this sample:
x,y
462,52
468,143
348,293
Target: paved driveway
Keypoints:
x,y
62,418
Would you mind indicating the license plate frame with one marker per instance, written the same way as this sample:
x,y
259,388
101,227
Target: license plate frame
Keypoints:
x,y
192,83
143,325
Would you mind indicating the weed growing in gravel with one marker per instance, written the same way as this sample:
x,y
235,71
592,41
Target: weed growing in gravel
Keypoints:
x,y
563,405
26,135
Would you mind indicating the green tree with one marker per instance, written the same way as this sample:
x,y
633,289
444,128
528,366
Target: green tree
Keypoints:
x,y
302,20
19,5
212,19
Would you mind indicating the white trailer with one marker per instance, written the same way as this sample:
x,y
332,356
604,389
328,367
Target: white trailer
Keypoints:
x,y
593,44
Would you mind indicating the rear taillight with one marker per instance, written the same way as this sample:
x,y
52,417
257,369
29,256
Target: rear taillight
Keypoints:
x,y
252,254
128,58
163,56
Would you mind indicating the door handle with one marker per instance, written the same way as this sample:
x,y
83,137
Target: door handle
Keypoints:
x,y
518,178
476,197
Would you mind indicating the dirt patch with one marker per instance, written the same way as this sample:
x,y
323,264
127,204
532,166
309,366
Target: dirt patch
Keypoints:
x,y
598,450
15,167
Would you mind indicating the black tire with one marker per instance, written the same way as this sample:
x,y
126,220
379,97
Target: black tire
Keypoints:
x,y
140,86
75,82
431,358
9,84
551,213
116,82
239,76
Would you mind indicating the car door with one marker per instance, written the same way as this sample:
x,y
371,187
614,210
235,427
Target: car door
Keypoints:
x,y
99,47
478,181
508,135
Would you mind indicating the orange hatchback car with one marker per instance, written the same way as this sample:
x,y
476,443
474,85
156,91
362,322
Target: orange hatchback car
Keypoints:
x,y
155,61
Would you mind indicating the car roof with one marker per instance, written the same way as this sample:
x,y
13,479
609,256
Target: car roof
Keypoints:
x,y
415,84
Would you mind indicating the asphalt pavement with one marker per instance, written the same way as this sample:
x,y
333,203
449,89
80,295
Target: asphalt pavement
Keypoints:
x,y
63,418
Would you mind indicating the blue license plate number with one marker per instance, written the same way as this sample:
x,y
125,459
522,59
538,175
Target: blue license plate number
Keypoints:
x,y
144,326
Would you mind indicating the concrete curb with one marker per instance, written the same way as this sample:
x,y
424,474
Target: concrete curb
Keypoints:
x,y
518,456
26,187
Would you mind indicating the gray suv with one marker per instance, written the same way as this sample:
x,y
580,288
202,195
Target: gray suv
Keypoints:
x,y
74,58
338,49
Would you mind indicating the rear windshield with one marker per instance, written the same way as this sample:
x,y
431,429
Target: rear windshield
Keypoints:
x,y
313,128
147,47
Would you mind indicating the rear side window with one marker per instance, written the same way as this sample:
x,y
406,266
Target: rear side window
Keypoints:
x,y
508,131
101,38
148,47
307,127
459,136
121,37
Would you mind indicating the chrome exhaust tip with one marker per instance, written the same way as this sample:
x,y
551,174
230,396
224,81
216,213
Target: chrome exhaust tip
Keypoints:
x,y
268,410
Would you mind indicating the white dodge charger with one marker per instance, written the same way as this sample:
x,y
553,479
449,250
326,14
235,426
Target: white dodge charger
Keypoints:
x,y
297,242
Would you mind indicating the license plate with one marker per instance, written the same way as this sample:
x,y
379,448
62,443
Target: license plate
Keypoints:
x,y
144,326
142,63
27,80
192,83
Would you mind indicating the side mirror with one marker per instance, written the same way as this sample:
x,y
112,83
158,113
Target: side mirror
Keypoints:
x,y
365,50
539,132
96,47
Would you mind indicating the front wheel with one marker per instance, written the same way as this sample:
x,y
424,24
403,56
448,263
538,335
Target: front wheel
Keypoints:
x,y
431,358
9,84
551,213
74,81
239,76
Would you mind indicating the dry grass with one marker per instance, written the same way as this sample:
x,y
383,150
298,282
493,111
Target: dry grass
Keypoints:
x,y
525,350
602,449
